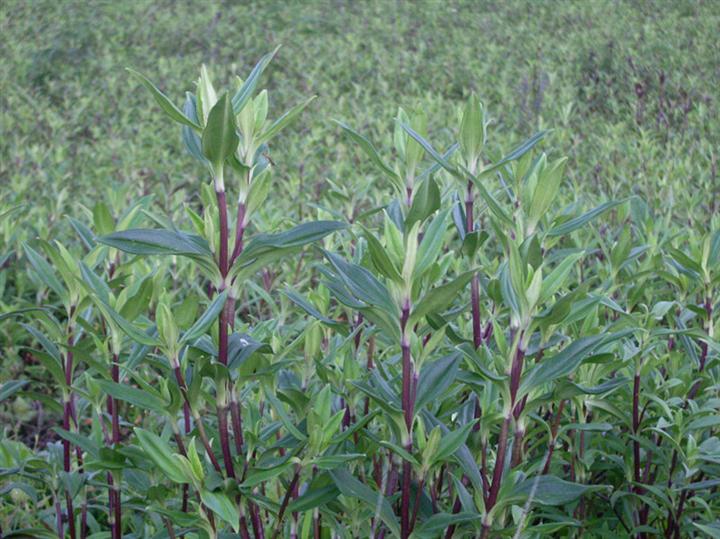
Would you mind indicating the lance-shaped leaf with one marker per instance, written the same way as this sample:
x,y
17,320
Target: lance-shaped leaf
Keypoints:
x,y
100,298
556,278
551,490
192,140
362,284
162,454
284,120
166,105
313,497
310,309
141,241
283,415
264,248
246,91
142,398
463,454
205,321
220,138
221,504
582,220
44,271
516,153
440,298
435,377
566,361
8,389
425,202
83,442
380,258
432,242
371,152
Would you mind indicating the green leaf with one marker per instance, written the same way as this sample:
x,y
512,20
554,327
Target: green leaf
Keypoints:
x,y
8,389
143,399
284,120
451,442
262,475
330,462
438,299
100,299
219,139
246,91
282,413
429,149
167,106
432,242
399,451
711,530
565,362
44,271
295,237
440,522
312,498
371,152
376,502
435,378
162,454
580,221
83,442
425,202
551,490
555,279
140,241
205,321
472,129
380,258
517,152
18,312
363,284
221,504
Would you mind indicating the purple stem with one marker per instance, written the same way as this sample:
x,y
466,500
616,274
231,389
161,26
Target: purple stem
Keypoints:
x,y
408,405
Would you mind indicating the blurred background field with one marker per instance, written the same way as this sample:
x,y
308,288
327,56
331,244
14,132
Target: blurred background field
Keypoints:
x,y
630,89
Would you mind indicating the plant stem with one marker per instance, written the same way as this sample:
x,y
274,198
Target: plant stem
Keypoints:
x,y
408,404
169,526
416,506
223,331
239,233
475,282
515,374
286,500
59,519
67,414
222,413
117,521
223,247
553,436
198,422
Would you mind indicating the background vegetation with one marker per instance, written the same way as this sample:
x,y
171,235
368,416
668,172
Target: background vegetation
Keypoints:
x,y
629,89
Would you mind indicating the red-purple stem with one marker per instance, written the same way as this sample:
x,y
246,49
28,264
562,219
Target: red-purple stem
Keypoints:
x,y
408,405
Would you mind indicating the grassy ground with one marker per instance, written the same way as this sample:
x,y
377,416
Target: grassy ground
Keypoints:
x,y
630,88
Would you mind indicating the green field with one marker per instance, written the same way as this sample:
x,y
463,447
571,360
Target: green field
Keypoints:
x,y
623,300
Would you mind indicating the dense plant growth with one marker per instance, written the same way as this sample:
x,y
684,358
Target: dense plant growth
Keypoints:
x,y
449,342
